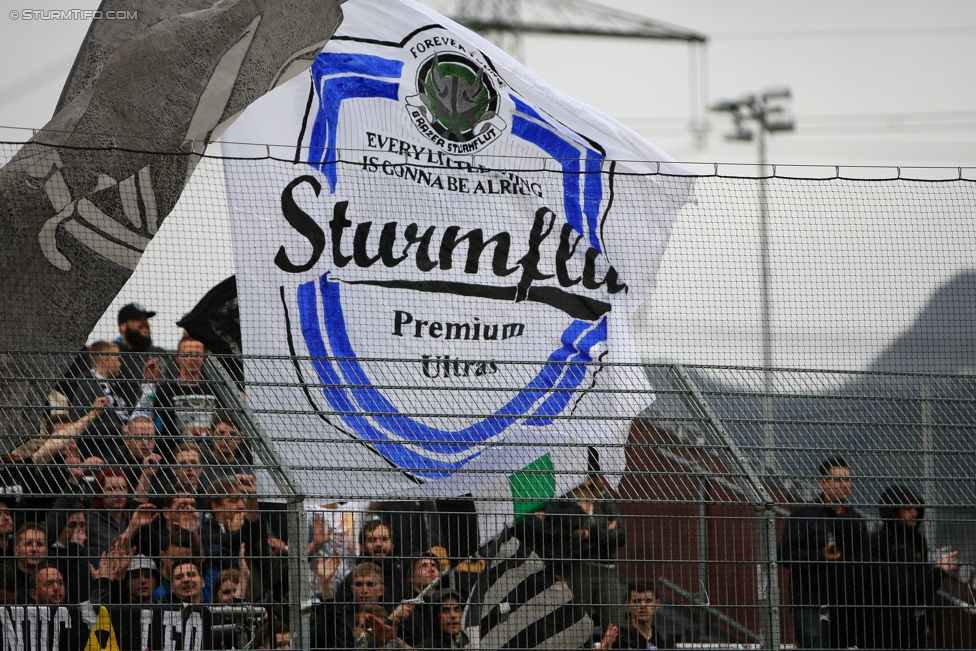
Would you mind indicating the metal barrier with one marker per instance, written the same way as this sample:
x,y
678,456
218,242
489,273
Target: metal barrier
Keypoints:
x,y
694,541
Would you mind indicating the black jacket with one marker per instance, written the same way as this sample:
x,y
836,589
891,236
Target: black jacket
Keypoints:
x,y
903,582
566,534
631,638
106,592
101,439
331,625
814,580
439,639
905,586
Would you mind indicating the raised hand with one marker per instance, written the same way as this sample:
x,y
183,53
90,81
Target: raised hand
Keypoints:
x,y
152,369
143,516
277,546
320,536
948,562
400,613
383,631
113,563
610,636
245,575
150,463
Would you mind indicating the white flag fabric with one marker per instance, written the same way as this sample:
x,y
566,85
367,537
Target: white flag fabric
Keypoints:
x,y
430,200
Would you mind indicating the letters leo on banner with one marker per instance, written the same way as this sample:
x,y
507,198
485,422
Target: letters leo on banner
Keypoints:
x,y
431,241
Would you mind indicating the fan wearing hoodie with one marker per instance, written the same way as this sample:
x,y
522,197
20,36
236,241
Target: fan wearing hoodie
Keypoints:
x,y
905,582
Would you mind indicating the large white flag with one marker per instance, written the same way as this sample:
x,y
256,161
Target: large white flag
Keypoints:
x,y
430,200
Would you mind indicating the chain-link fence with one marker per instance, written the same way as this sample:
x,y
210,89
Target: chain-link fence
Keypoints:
x,y
153,511
452,452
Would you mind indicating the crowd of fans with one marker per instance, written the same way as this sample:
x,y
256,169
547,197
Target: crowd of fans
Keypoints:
x,y
141,489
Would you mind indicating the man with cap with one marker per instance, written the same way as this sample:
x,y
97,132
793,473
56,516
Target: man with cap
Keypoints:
x,y
135,336
124,579
134,331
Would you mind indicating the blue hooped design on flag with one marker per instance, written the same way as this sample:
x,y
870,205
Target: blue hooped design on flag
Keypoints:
x,y
339,77
420,449
532,127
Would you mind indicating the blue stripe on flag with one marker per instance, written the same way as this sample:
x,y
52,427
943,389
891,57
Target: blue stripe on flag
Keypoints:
x,y
567,153
372,406
334,90
337,63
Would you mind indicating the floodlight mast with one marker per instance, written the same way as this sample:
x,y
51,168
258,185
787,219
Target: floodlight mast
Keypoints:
x,y
758,115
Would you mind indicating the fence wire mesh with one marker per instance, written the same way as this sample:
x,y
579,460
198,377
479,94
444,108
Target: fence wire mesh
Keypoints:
x,y
164,500
712,536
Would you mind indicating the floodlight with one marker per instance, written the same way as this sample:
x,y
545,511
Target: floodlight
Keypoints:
x,y
724,106
781,92
741,134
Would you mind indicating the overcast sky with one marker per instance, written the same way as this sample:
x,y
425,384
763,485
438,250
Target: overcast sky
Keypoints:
x,y
890,82
875,82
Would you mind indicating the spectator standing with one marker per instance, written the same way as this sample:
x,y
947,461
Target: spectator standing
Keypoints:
x,y
378,546
639,632
184,402
414,620
30,552
447,633
333,621
114,515
101,378
578,537
67,536
187,585
823,545
124,579
180,512
79,472
46,586
186,474
34,474
905,581
178,545
234,521
225,454
135,339
231,585
138,458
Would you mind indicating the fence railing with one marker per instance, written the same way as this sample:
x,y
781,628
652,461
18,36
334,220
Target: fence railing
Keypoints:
x,y
838,510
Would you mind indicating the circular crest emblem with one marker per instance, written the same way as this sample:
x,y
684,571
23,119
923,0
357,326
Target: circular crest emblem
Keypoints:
x,y
456,105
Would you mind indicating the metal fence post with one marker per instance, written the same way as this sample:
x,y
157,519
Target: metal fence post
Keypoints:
x,y
299,590
758,496
769,622
297,523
